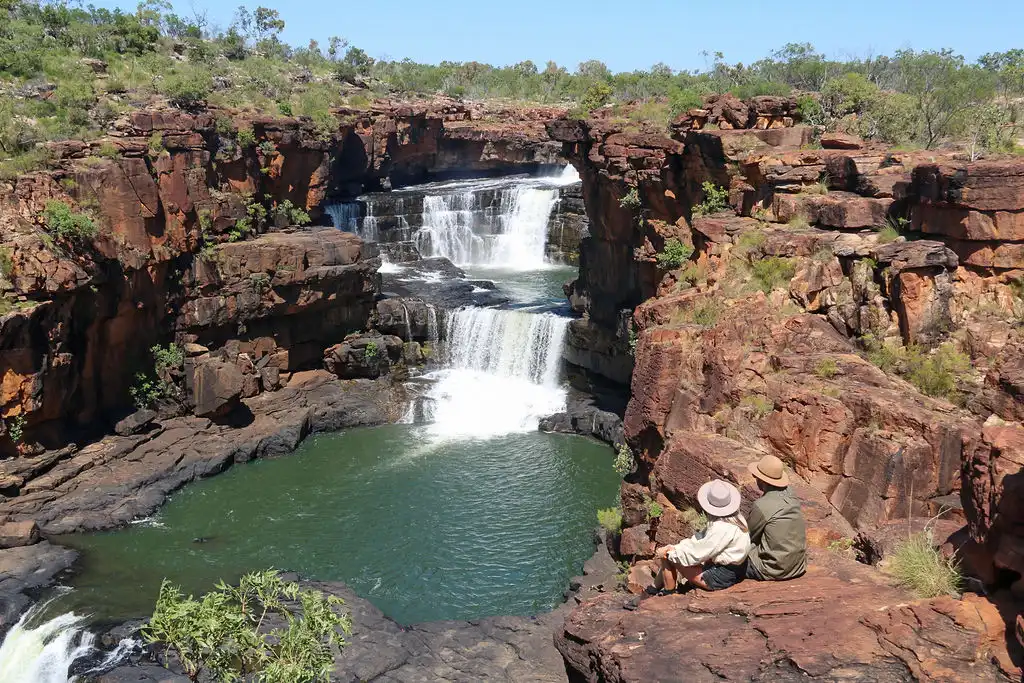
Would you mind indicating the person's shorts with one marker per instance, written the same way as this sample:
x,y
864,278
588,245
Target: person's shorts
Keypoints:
x,y
721,576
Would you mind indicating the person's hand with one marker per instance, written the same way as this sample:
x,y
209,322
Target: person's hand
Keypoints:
x,y
662,552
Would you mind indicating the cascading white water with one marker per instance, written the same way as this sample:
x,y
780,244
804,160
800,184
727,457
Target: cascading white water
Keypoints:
x,y
346,216
43,653
448,228
524,228
502,373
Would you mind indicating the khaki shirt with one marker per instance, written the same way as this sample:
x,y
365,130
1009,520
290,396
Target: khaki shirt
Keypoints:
x,y
778,535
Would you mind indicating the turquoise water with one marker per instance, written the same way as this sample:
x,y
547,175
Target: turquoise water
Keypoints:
x,y
453,530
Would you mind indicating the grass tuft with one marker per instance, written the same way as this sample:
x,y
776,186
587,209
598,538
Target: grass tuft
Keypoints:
x,y
918,566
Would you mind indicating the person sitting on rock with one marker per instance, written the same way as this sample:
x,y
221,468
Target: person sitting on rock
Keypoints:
x,y
712,559
777,529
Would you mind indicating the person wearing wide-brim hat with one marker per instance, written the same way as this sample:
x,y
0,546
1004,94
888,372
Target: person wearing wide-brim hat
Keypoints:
x,y
712,559
778,532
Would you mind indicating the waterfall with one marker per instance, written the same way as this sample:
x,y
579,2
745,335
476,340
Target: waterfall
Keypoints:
x,y
448,228
348,216
524,228
501,376
43,653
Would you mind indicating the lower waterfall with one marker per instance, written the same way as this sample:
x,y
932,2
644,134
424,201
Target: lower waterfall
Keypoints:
x,y
501,373
43,653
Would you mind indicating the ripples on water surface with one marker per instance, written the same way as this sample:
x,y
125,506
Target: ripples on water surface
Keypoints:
x,y
425,530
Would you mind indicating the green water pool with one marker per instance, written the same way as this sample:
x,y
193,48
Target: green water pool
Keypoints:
x,y
425,530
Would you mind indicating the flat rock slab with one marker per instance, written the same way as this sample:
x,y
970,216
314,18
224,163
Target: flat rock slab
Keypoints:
x,y
841,621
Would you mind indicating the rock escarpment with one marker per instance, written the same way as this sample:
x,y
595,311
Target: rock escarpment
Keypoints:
x,y
176,199
820,261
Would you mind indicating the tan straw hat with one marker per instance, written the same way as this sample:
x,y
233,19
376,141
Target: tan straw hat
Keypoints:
x,y
770,470
719,498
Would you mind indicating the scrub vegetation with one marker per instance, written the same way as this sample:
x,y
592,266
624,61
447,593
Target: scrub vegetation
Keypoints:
x,y
68,71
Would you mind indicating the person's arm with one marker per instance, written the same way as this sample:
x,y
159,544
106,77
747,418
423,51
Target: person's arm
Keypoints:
x,y
756,522
701,547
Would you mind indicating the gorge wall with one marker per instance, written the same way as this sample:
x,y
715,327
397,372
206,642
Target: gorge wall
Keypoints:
x,y
167,190
806,324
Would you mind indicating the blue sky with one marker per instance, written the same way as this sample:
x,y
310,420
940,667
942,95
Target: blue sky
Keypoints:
x,y
635,35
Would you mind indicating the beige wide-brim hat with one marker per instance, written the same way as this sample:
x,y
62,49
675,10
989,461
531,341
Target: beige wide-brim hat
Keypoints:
x,y
770,470
719,498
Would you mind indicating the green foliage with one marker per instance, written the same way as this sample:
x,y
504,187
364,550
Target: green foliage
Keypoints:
x,y
6,263
773,272
681,100
888,233
653,508
841,545
707,313
826,368
920,567
16,429
167,358
597,95
624,461
674,255
245,137
156,144
62,222
610,519
371,351
108,150
715,199
934,373
188,88
630,200
148,389
224,632
289,214
759,405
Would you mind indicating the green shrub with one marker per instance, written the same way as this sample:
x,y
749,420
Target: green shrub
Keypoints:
x,y
108,150
610,519
935,373
189,88
66,224
798,222
290,214
681,100
773,272
245,137
890,230
715,199
760,405
826,368
674,255
15,427
653,508
706,314
884,355
370,351
168,357
6,263
630,200
918,566
224,632
156,144
624,461
597,95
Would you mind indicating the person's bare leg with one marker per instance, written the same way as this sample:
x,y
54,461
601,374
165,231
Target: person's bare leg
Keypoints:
x,y
693,575
669,579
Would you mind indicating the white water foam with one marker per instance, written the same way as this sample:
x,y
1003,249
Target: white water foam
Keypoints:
x,y
43,653
348,217
502,374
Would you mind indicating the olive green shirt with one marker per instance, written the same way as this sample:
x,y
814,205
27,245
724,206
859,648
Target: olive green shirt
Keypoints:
x,y
778,536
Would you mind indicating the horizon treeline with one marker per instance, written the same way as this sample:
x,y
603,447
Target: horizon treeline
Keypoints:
x,y
52,89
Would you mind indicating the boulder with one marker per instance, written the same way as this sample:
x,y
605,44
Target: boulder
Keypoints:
x,y
841,141
363,356
216,387
135,423
18,534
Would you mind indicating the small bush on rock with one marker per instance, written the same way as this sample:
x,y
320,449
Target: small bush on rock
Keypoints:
x,y
69,225
674,255
696,519
715,199
630,200
826,368
223,632
624,462
610,519
919,566
653,508
773,272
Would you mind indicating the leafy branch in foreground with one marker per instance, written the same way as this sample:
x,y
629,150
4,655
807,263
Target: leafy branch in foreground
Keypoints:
x,y
225,631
